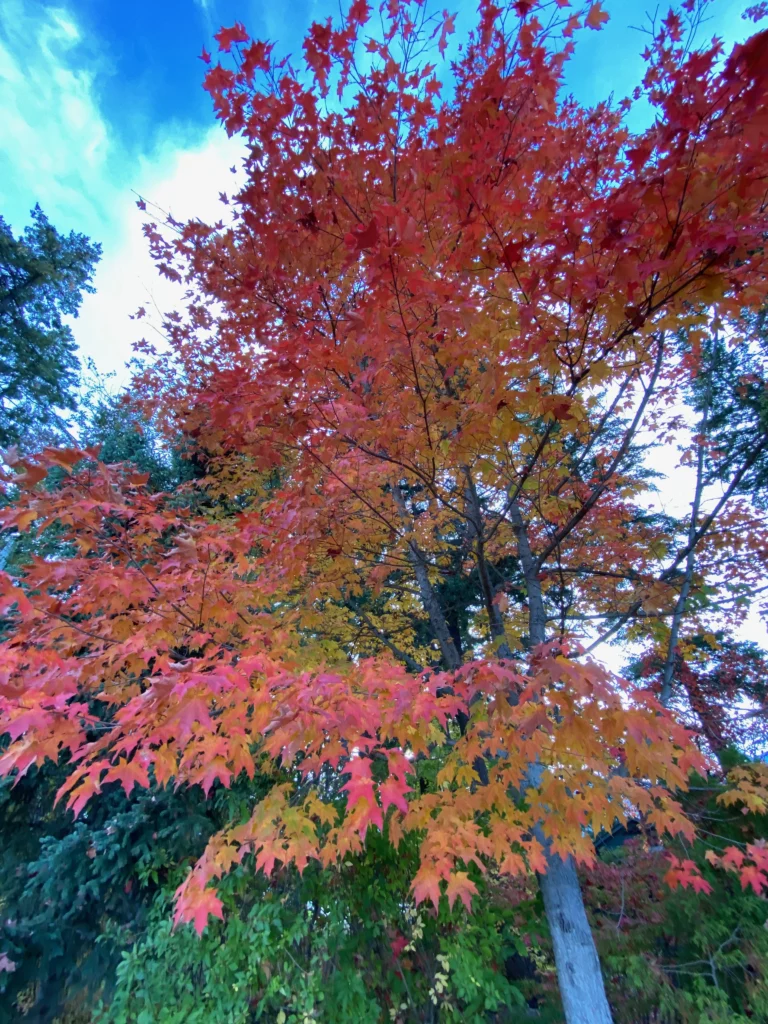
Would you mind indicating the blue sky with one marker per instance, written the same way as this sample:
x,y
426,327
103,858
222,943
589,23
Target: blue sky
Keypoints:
x,y
102,98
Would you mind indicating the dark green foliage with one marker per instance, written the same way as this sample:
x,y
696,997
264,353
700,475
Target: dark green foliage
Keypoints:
x,y
42,279
74,895
334,945
115,423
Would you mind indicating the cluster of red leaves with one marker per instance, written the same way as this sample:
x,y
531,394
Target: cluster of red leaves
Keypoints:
x,y
751,865
685,873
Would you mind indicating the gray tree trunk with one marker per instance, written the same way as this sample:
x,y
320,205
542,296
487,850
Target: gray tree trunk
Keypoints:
x,y
578,966
495,620
451,656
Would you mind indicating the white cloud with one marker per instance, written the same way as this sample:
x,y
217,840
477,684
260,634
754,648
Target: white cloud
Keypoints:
x,y
208,10
55,145
182,181
58,148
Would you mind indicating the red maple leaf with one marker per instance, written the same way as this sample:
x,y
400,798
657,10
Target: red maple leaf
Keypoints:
x,y
392,793
129,774
426,885
359,12
199,904
227,37
364,237
596,16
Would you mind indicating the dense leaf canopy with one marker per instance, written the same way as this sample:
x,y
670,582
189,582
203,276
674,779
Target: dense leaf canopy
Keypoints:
x,y
418,373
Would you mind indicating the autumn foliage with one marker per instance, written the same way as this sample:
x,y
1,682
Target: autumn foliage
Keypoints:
x,y
421,354
203,686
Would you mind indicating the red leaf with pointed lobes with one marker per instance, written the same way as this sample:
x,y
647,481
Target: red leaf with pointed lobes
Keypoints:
x,y
128,774
26,720
191,711
399,765
65,457
448,28
213,770
686,874
393,793
361,796
80,797
752,877
23,520
360,785
573,23
359,12
535,856
364,238
267,857
256,58
33,474
596,16
426,885
227,37
513,253
197,905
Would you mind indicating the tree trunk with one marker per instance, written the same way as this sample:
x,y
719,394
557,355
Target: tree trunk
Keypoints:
x,y
710,725
7,544
440,630
495,620
578,966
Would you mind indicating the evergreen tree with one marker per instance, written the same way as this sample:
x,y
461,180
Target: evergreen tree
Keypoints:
x,y
43,275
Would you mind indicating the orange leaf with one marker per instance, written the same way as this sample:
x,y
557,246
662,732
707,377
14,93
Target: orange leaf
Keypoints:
x,y
426,885
462,887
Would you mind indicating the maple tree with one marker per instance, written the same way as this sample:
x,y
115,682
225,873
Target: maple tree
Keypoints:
x,y
418,366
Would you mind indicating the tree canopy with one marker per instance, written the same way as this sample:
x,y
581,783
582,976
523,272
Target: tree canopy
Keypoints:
x,y
420,374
